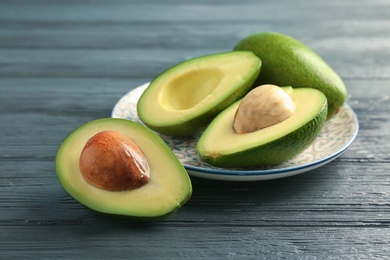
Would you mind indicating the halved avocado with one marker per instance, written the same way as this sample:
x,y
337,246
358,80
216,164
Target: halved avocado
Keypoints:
x,y
220,146
168,188
186,97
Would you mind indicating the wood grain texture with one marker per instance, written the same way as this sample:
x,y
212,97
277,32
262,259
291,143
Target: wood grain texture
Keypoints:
x,y
63,63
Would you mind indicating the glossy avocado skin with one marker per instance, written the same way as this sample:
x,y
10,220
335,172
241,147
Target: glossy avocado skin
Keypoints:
x,y
288,62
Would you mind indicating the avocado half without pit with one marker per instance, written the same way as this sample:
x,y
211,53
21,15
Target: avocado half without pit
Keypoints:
x,y
268,126
120,167
186,97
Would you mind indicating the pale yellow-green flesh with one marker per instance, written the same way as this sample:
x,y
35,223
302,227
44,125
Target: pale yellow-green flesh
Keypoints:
x,y
222,140
192,90
163,193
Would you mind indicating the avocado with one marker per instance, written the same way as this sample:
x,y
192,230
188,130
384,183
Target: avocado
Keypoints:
x,y
288,62
220,145
186,97
92,171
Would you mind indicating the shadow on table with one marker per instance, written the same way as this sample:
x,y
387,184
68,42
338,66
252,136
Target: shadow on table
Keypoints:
x,y
212,201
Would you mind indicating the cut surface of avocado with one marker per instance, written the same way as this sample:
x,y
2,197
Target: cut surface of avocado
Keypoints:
x,y
168,188
220,146
182,99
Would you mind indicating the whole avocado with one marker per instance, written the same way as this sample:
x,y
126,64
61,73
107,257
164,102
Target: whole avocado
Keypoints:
x,y
288,62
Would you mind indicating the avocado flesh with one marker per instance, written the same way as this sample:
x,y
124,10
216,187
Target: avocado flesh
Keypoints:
x,y
186,97
221,147
288,62
169,186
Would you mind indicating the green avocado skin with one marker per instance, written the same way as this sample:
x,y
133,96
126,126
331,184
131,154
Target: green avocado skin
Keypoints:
x,y
288,62
291,144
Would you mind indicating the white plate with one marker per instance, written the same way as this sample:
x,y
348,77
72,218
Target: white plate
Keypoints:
x,y
336,136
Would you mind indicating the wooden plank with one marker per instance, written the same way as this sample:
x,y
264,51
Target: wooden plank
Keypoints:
x,y
72,45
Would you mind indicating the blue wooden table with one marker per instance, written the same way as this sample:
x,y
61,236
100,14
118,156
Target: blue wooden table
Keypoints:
x,y
64,63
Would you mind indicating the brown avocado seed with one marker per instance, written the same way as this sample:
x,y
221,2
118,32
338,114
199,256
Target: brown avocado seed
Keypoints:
x,y
263,106
111,161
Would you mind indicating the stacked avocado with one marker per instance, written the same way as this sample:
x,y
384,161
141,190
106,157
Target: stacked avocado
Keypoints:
x,y
261,103
317,92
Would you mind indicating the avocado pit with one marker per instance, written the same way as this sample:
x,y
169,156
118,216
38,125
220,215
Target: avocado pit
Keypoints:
x,y
111,161
263,106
